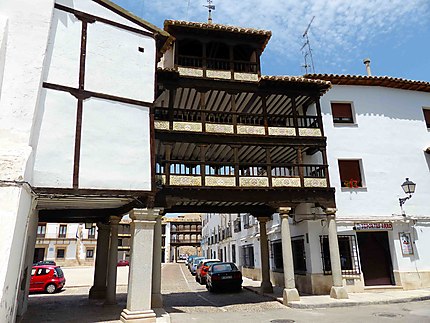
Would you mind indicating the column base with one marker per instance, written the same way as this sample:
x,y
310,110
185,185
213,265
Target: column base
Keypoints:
x,y
156,301
266,287
97,292
338,293
147,316
290,295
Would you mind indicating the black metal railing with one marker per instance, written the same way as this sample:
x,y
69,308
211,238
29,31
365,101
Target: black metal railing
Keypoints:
x,y
217,64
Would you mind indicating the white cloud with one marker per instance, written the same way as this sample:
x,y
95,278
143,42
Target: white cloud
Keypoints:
x,y
340,26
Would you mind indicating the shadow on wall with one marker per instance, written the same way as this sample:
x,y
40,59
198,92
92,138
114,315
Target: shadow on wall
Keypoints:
x,y
427,157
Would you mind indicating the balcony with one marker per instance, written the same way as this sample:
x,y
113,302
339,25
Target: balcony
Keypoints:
x,y
217,68
197,174
235,123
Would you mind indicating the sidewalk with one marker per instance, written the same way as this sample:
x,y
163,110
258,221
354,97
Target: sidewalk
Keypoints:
x,y
323,301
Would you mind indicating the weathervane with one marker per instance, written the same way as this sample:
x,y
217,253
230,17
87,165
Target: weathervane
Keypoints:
x,y
210,7
307,51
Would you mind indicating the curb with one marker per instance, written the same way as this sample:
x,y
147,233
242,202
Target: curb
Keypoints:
x,y
341,303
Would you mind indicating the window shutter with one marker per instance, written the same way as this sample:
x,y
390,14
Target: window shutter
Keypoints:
x,y
342,111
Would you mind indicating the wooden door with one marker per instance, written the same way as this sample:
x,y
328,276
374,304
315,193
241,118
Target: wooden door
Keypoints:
x,y
375,258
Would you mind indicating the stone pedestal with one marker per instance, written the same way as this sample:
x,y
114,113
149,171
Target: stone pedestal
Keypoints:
x,y
156,298
113,260
337,291
98,290
290,292
140,276
266,285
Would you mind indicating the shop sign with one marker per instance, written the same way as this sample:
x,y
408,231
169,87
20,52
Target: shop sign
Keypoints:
x,y
373,226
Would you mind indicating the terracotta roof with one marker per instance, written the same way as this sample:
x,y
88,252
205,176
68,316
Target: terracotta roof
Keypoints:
x,y
384,81
219,27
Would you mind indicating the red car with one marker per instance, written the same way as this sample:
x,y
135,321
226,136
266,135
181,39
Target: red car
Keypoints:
x,y
122,263
202,270
47,278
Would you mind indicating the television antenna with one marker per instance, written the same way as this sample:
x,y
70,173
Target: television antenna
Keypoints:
x,y
307,50
210,7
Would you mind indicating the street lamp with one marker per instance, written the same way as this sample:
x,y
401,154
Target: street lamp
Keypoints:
x,y
409,188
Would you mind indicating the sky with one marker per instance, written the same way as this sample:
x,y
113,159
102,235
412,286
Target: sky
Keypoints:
x,y
394,34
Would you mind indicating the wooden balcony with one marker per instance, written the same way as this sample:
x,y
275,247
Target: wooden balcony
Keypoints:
x,y
197,174
236,123
217,68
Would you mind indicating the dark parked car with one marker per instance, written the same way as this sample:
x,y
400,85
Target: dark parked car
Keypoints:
x,y
47,278
223,275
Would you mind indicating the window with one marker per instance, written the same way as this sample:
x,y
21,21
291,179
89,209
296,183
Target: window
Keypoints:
x,y
299,255
350,173
62,231
348,255
342,112
427,117
90,253
276,255
248,256
61,252
41,230
237,225
233,253
92,232
246,222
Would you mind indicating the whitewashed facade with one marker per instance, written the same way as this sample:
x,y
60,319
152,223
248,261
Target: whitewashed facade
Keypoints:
x,y
77,83
389,138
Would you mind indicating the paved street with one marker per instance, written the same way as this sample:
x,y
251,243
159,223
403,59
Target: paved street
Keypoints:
x,y
187,301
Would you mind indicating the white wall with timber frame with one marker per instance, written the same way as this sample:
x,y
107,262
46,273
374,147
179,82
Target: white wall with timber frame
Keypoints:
x,y
92,128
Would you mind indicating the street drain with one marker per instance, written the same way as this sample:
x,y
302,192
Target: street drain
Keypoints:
x,y
282,321
389,315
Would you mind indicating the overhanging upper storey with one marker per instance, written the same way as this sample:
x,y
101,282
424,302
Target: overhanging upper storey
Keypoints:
x,y
215,51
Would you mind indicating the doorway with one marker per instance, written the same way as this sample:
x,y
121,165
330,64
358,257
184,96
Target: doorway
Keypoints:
x,y
375,258
39,254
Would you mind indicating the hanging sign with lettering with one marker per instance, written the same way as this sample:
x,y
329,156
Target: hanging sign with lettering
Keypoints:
x,y
373,226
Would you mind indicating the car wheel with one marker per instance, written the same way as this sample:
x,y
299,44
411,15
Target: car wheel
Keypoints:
x,y
50,288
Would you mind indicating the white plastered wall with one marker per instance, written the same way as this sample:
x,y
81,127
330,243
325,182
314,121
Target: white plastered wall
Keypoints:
x,y
23,47
115,143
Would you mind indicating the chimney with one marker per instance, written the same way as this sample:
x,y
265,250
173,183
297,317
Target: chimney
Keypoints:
x,y
366,62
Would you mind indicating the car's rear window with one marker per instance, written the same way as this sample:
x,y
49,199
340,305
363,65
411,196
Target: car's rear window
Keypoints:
x,y
210,263
223,267
59,272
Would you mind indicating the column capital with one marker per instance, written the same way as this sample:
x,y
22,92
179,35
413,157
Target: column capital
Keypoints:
x,y
102,226
114,220
331,211
284,212
145,214
263,219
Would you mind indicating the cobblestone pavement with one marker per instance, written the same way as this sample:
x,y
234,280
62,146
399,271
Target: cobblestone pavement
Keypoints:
x,y
187,301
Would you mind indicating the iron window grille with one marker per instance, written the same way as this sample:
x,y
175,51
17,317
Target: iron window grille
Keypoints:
x,y
237,225
60,253
276,256
349,259
248,256
299,254
92,233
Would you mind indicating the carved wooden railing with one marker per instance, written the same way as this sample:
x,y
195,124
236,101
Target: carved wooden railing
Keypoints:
x,y
218,174
236,122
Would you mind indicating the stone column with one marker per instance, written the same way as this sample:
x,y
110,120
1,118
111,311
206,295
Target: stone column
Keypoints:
x,y
290,292
113,260
157,300
140,276
266,285
337,290
98,290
